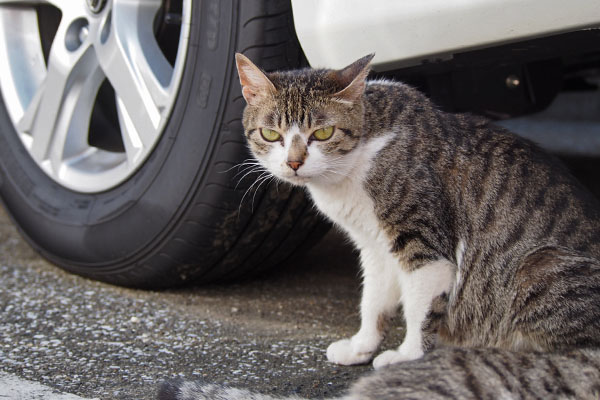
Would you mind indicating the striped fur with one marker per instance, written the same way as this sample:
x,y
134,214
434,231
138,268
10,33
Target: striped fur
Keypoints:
x,y
488,243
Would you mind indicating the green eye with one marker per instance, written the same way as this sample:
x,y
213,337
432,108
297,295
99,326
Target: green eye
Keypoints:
x,y
323,133
270,135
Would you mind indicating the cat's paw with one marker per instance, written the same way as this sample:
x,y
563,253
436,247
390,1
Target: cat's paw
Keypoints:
x,y
350,352
395,356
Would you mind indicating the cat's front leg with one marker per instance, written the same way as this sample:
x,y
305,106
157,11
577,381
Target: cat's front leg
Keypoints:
x,y
421,289
380,299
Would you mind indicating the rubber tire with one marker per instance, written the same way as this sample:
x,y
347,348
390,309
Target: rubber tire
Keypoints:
x,y
178,219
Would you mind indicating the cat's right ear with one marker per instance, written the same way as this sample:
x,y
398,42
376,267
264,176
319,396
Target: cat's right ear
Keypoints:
x,y
255,84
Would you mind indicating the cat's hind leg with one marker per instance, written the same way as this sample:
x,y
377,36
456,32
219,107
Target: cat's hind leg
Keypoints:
x,y
421,288
380,300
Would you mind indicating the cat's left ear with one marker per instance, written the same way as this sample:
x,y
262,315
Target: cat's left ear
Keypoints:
x,y
255,84
353,79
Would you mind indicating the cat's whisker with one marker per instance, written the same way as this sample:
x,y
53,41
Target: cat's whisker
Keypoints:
x,y
238,165
245,169
260,182
244,196
257,181
263,180
250,161
247,166
253,170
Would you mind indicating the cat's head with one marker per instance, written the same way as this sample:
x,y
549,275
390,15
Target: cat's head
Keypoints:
x,y
304,125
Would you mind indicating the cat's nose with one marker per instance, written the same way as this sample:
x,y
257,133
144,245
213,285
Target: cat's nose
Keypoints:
x,y
295,164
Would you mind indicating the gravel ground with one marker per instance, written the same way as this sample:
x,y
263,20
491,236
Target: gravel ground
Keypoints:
x,y
96,340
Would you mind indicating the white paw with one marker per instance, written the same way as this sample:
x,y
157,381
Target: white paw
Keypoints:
x,y
394,356
350,352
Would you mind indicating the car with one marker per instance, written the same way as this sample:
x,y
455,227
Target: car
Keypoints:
x,y
121,153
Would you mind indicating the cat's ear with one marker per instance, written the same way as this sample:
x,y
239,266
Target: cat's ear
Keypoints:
x,y
353,79
255,84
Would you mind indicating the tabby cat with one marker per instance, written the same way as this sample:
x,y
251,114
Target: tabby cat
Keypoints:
x,y
488,243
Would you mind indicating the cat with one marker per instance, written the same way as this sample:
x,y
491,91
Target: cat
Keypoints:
x,y
487,243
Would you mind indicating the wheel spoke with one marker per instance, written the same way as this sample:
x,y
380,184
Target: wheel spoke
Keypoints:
x,y
20,2
20,54
60,4
57,117
131,139
137,70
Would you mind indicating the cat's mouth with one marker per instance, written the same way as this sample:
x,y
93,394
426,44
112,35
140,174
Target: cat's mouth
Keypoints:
x,y
297,179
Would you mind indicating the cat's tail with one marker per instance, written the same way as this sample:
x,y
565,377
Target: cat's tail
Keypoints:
x,y
196,390
451,373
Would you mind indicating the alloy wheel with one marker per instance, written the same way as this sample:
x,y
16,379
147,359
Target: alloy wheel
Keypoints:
x,y
90,97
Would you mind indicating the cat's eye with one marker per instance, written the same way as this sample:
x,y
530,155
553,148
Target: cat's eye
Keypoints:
x,y
323,133
270,135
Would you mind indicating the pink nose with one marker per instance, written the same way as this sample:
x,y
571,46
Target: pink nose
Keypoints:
x,y
295,164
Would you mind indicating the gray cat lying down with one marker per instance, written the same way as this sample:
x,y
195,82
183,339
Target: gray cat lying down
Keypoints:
x,y
489,244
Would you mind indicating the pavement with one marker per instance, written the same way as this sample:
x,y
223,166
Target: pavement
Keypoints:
x,y
76,336
13,387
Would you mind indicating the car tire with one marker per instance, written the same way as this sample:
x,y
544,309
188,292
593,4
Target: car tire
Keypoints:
x,y
188,213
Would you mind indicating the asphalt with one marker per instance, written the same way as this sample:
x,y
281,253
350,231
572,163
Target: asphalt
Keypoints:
x,y
96,340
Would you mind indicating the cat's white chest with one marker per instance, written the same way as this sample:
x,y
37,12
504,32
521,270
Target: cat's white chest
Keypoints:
x,y
348,205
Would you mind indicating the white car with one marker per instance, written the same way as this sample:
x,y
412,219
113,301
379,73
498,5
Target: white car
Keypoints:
x,y
121,153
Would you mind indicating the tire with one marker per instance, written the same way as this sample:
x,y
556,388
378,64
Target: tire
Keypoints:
x,y
181,216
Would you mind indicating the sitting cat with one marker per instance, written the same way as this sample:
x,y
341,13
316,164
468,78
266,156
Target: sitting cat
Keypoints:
x,y
489,245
